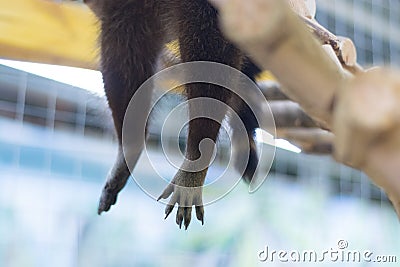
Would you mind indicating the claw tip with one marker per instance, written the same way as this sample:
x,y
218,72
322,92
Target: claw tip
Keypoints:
x,y
99,210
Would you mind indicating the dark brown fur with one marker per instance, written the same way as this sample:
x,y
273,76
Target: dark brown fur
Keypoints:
x,y
133,33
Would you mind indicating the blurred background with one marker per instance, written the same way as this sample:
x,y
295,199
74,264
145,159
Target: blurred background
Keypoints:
x,y
57,144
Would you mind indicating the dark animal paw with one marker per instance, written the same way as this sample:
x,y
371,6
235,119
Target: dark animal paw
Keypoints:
x,y
116,180
107,199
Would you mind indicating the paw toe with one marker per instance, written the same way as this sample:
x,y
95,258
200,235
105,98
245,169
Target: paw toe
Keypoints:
x,y
200,214
187,216
168,210
179,216
167,192
107,199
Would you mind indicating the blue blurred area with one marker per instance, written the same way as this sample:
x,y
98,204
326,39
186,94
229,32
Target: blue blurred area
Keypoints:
x,y
50,183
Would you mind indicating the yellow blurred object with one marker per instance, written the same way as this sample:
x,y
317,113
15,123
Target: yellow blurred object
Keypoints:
x,y
48,32
264,76
55,33
174,48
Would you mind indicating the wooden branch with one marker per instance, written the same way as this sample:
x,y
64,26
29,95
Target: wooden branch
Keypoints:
x,y
288,114
306,72
315,141
271,90
301,8
374,120
367,128
344,47
365,120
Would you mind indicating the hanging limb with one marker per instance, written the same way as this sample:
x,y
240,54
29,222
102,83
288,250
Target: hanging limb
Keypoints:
x,y
365,120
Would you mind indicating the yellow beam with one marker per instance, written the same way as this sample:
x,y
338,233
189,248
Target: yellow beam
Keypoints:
x,y
43,31
47,32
